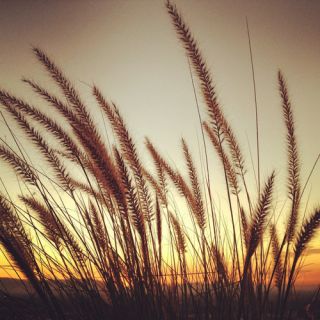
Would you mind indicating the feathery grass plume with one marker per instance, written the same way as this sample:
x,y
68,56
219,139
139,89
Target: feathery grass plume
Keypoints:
x,y
228,167
18,165
163,167
276,256
56,103
159,222
90,191
181,247
193,195
159,232
56,230
180,236
13,225
105,172
221,126
52,126
17,243
293,159
199,66
128,150
137,217
256,230
235,150
104,257
67,89
175,176
305,235
156,186
101,165
72,244
99,229
131,196
75,153
47,219
195,204
158,161
41,143
198,207
257,226
220,263
245,227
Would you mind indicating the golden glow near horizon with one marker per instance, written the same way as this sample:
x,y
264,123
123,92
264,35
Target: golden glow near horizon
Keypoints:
x,y
129,49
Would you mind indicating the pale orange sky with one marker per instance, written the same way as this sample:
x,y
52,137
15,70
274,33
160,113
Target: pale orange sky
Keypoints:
x,y
130,50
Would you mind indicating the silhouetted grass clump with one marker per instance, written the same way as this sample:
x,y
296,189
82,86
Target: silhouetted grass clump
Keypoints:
x,y
99,236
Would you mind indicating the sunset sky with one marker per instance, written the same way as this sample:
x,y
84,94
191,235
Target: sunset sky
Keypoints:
x,y
129,49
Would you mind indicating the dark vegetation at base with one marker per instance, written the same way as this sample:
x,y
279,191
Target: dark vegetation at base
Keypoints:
x,y
302,305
